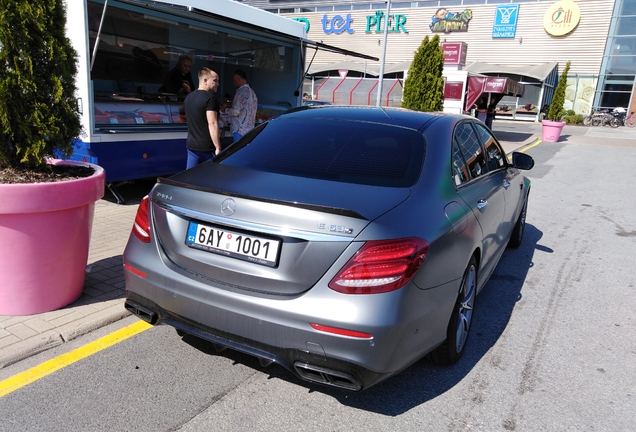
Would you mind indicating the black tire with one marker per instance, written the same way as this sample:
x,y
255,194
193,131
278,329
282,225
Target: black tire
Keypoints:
x,y
452,349
587,120
520,226
616,122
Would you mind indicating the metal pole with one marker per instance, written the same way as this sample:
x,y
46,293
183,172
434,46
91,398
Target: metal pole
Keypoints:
x,y
99,33
386,31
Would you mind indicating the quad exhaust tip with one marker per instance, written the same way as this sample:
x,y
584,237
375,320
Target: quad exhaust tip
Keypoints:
x,y
326,376
142,312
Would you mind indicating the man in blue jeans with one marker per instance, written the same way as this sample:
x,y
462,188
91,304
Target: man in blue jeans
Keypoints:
x,y
202,116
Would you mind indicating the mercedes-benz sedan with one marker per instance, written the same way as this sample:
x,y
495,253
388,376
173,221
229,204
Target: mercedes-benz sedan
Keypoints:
x,y
343,243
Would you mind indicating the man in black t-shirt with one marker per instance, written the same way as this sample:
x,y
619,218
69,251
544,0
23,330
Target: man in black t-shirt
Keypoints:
x,y
202,115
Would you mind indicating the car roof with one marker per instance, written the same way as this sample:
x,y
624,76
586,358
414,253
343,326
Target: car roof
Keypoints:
x,y
390,116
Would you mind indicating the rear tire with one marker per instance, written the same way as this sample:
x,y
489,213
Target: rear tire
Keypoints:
x,y
615,122
452,349
587,120
516,237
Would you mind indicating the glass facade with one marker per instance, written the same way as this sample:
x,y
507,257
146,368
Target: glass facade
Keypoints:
x,y
618,71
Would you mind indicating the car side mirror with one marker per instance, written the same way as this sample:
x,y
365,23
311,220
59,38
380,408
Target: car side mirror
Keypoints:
x,y
522,161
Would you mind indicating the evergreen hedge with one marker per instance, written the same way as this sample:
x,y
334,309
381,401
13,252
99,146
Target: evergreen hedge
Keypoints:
x,y
424,85
39,114
557,111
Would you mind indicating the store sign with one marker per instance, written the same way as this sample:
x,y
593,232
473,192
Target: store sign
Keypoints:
x,y
396,23
305,21
453,90
445,22
561,18
454,53
505,21
337,24
495,85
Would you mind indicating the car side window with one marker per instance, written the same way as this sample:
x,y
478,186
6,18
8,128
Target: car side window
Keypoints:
x,y
460,170
496,156
470,146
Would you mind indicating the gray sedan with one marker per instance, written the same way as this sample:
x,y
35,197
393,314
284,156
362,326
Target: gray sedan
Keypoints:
x,y
343,243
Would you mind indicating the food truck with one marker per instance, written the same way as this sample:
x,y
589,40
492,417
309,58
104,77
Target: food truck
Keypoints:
x,y
132,125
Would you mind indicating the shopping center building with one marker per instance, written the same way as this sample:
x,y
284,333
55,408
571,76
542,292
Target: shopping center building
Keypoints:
x,y
527,41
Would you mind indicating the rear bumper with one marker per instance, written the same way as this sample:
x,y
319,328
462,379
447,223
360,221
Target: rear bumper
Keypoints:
x,y
403,325
305,365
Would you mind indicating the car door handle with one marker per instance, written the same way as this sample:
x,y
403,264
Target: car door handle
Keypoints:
x,y
481,204
506,184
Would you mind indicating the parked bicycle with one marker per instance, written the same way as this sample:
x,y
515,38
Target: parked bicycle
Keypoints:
x,y
604,118
627,119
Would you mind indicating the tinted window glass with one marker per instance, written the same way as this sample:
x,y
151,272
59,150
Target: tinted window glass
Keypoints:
x,y
460,171
494,153
470,146
345,151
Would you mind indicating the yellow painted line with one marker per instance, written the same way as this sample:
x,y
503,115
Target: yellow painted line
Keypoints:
x,y
524,149
22,379
529,146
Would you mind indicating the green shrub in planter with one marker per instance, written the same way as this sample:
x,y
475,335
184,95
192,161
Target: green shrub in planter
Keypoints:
x,y
39,114
557,111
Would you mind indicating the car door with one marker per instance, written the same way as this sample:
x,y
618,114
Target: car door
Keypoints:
x,y
509,177
483,193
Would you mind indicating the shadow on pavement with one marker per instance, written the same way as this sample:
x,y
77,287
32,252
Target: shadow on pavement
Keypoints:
x,y
131,192
513,137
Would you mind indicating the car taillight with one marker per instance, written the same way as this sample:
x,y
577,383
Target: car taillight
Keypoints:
x,y
381,266
141,227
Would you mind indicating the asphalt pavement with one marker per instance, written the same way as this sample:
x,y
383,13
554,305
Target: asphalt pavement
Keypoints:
x,y
102,301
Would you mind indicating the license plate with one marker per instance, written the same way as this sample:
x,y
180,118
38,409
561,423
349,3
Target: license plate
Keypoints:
x,y
258,250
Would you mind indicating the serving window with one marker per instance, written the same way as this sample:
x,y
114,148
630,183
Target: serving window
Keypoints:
x,y
138,47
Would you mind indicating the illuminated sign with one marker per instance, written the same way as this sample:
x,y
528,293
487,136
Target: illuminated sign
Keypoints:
x,y
445,22
395,22
337,24
561,18
505,21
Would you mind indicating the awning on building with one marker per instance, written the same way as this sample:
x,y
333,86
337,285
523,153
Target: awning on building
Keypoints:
x,y
500,86
539,71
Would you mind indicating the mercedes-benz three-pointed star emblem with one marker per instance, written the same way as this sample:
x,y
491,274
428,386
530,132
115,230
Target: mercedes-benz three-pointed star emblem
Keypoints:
x,y
228,207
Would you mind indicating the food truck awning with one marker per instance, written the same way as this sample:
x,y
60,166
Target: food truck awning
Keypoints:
x,y
480,84
245,16
345,65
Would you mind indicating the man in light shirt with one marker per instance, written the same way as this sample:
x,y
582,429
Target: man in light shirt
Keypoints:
x,y
244,104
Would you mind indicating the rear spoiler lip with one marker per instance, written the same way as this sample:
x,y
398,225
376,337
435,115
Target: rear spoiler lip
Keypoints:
x,y
326,209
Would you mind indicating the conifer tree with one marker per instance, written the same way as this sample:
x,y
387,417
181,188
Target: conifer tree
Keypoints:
x,y
557,111
39,114
424,85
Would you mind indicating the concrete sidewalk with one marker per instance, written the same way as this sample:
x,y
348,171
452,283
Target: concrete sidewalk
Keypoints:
x,y
104,291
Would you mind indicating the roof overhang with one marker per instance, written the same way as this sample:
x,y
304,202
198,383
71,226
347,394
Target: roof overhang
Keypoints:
x,y
232,10
539,71
332,49
245,15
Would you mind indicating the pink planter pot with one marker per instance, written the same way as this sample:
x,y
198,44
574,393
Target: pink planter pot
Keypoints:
x,y
45,231
551,130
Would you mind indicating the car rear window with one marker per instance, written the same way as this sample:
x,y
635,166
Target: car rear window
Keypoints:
x,y
338,150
